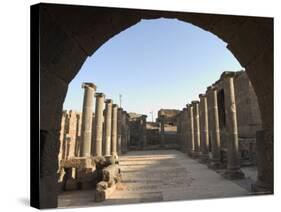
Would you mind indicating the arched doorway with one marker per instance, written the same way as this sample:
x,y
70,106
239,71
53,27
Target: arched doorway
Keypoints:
x,y
69,34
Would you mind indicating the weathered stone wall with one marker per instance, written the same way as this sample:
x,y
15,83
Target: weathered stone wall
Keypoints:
x,y
70,134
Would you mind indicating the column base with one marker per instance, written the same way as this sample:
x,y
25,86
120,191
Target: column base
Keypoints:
x,y
234,174
214,164
195,154
204,158
261,188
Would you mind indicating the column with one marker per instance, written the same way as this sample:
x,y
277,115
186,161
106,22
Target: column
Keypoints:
x,y
204,129
233,158
114,131
196,127
119,131
144,137
86,128
214,127
185,132
124,132
98,124
162,132
108,123
128,131
191,130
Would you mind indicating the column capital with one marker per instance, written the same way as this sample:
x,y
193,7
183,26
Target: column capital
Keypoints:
x,y
114,105
99,95
227,74
120,109
108,101
194,102
202,95
89,85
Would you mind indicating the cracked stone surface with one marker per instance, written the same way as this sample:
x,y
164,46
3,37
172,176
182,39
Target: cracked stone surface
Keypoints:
x,y
160,175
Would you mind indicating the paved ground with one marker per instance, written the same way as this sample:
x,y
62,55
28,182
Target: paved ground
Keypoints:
x,y
163,175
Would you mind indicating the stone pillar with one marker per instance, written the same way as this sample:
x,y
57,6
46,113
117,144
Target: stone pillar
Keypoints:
x,y
114,131
191,130
233,158
162,132
143,131
264,182
119,131
124,132
179,131
214,127
196,127
204,128
98,124
108,123
128,130
86,128
185,131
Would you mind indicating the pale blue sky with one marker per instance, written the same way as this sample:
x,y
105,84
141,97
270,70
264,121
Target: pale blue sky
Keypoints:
x,y
162,63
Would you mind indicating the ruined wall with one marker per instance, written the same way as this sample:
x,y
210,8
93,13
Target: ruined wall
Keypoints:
x,y
248,114
70,134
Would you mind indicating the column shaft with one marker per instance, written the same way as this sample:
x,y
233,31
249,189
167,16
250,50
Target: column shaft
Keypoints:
x,y
196,127
203,107
214,127
86,128
98,124
233,158
108,123
114,131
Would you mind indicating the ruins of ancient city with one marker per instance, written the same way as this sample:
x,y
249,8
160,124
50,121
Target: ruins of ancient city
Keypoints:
x,y
117,156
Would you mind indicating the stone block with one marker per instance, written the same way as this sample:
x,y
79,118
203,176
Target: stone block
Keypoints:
x,y
71,184
79,162
110,173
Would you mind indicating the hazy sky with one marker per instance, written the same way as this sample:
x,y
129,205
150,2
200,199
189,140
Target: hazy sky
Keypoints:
x,y
155,64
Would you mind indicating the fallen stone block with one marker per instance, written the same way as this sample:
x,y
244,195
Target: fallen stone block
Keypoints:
x,y
110,173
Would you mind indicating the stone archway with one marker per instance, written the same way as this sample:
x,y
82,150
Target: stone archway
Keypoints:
x,y
69,34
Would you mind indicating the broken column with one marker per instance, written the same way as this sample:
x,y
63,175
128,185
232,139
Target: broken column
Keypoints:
x,y
233,158
204,129
214,127
86,128
114,131
162,132
98,124
108,123
119,131
191,129
196,128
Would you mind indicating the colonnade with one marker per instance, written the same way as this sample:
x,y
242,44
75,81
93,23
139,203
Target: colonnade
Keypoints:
x,y
199,129
108,134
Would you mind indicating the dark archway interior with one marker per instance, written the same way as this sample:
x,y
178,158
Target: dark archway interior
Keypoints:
x,y
69,34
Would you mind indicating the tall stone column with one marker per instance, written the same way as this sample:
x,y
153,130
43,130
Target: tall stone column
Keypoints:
x,y
233,158
185,130
98,124
191,130
124,132
128,131
114,131
144,137
214,127
162,132
119,131
196,128
86,128
108,123
179,131
204,128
